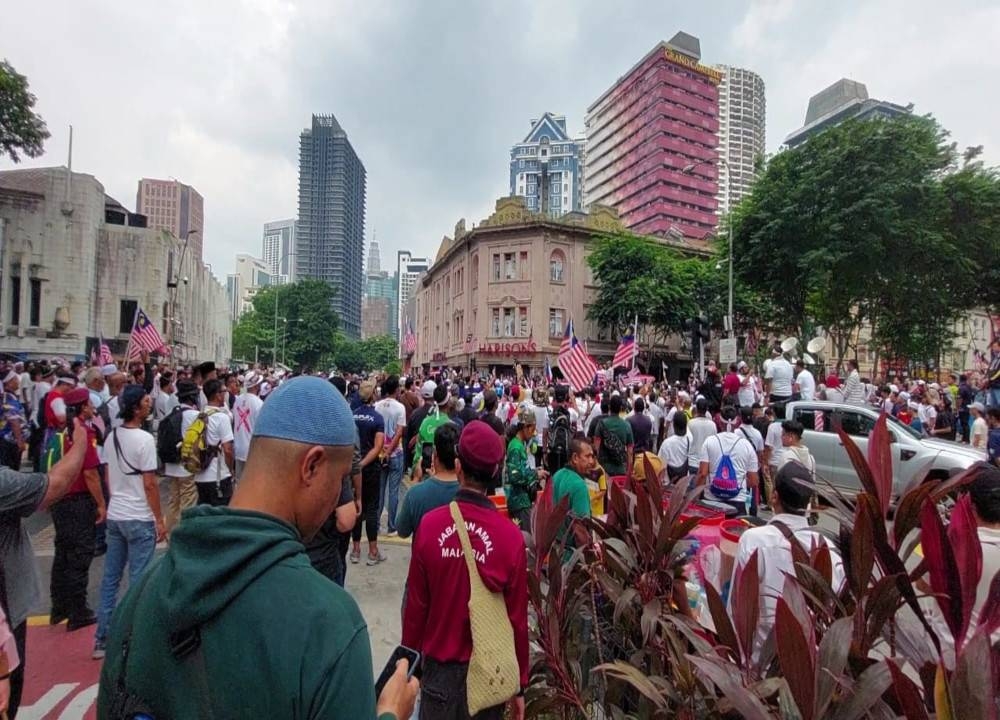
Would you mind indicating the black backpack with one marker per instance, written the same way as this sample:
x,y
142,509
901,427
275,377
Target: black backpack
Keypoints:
x,y
559,436
169,436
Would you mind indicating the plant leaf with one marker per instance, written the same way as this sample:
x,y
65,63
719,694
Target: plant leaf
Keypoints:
x,y
723,625
942,697
746,603
652,483
907,515
833,650
941,567
880,462
746,703
622,603
867,691
862,546
860,464
989,614
972,683
796,655
631,676
650,614
882,603
968,552
907,693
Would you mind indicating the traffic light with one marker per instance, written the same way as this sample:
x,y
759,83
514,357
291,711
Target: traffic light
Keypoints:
x,y
703,329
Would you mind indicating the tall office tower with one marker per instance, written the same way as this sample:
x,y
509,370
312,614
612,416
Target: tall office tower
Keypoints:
x,y
173,206
651,143
545,168
742,111
330,237
279,249
844,100
408,269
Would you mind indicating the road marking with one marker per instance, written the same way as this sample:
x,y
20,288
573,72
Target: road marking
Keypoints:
x,y
47,702
79,705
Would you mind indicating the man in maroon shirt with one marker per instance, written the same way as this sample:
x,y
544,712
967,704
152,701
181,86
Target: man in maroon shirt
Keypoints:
x,y
436,618
73,518
731,383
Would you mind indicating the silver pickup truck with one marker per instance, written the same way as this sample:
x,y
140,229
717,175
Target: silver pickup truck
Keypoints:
x,y
913,456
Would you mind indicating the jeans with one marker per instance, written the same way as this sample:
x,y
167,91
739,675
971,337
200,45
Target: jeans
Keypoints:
x,y
132,541
993,397
392,476
73,519
370,485
443,693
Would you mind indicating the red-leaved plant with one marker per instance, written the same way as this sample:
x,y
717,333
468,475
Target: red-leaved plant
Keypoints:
x,y
611,637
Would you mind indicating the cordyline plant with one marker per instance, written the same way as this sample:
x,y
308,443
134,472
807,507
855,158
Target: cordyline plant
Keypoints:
x,y
611,637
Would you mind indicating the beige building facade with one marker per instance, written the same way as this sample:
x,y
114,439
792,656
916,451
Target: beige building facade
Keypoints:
x,y
74,266
503,292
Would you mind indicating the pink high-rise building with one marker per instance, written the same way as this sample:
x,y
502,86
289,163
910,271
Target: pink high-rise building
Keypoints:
x,y
175,207
652,143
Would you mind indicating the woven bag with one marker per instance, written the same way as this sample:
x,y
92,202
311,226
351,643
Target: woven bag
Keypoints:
x,y
494,676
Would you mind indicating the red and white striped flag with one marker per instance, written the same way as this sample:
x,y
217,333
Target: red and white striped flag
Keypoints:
x,y
626,352
574,362
145,336
105,357
750,346
468,343
409,340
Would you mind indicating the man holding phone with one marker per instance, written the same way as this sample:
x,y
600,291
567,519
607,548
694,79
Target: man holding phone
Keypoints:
x,y
243,566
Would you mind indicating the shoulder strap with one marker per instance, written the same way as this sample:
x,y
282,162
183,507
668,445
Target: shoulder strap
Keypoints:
x,y
121,456
799,553
463,535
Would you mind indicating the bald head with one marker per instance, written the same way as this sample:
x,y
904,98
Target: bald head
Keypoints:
x,y
116,382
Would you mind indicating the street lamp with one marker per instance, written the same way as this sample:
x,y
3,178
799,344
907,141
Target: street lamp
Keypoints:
x,y
172,281
688,170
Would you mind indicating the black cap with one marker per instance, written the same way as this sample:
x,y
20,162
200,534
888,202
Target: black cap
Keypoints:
x,y
187,390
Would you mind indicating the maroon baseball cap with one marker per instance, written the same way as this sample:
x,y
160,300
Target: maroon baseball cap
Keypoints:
x,y
76,396
480,448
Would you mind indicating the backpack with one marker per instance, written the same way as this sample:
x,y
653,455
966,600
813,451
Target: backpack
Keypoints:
x,y
725,483
612,445
425,436
40,422
560,435
196,453
169,436
105,416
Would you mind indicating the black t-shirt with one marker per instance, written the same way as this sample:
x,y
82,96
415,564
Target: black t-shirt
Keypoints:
x,y
369,423
945,419
642,430
491,419
324,549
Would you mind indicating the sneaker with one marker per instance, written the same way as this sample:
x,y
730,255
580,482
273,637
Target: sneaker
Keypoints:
x,y
355,556
392,533
98,653
376,559
84,619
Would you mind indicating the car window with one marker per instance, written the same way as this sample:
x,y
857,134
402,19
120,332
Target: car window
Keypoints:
x,y
856,424
816,420
897,425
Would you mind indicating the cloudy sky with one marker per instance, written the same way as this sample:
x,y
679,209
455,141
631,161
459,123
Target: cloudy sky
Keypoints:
x,y
433,94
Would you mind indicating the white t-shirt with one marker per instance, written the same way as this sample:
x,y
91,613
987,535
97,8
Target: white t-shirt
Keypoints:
x,y
542,421
747,394
245,411
39,391
162,405
700,429
807,385
668,420
674,450
128,494
219,431
26,389
773,441
780,372
744,460
176,470
835,395
928,416
655,414
393,416
980,433
797,453
113,411
753,435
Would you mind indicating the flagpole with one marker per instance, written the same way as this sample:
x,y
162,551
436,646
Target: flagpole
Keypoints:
x,y
635,339
131,334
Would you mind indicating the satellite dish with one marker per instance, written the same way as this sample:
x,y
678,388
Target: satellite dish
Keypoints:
x,y
808,359
816,345
789,344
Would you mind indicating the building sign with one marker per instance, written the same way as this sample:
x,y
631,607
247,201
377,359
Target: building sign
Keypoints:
x,y
439,357
512,349
692,64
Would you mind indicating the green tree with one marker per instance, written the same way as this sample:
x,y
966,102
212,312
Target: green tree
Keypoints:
x,y
376,353
21,128
305,328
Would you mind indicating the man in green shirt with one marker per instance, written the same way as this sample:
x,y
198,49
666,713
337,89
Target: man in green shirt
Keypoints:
x,y
570,480
521,480
436,489
613,441
230,569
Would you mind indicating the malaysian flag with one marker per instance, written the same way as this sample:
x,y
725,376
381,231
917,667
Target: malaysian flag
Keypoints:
x,y
548,370
144,336
409,340
574,362
105,357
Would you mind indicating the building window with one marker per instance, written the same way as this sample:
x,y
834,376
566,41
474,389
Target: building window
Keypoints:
x,y
475,271
495,323
508,322
35,319
557,262
520,163
522,321
524,264
15,300
556,324
496,267
509,266
126,316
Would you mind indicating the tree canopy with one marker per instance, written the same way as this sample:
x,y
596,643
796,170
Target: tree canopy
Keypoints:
x,y
22,130
375,353
878,223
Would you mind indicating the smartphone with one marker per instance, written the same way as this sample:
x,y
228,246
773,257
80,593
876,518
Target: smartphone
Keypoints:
x,y
398,654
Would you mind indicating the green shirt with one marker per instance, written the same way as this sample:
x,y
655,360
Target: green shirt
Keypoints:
x,y
612,424
520,478
420,499
567,482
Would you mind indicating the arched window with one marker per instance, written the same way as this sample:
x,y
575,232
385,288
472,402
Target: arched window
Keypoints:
x,y
475,271
557,265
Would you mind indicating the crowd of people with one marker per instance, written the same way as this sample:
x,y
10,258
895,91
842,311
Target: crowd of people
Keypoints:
x,y
273,480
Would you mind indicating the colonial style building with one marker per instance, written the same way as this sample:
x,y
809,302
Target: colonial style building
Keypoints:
x,y
504,291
